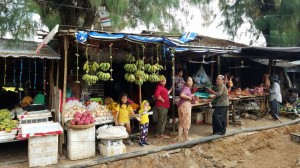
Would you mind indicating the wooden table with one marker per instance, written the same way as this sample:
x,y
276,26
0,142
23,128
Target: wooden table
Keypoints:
x,y
242,98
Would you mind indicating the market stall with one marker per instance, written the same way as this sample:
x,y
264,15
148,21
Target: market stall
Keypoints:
x,y
26,114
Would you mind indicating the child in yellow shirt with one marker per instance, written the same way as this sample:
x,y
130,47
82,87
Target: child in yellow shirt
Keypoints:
x,y
144,122
123,113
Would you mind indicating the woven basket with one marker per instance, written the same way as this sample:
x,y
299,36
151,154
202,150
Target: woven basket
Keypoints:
x,y
79,127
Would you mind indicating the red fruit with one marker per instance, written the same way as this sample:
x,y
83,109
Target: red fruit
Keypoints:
x,y
80,123
77,119
72,122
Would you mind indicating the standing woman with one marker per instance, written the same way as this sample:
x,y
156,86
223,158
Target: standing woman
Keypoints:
x,y
162,105
222,103
185,109
275,96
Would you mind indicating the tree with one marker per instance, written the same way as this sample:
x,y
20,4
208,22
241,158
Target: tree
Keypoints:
x,y
279,21
16,17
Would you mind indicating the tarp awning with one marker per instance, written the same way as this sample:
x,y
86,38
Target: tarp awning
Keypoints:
x,y
25,49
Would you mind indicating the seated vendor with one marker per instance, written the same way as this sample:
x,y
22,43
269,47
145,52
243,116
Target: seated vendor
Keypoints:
x,y
179,82
292,97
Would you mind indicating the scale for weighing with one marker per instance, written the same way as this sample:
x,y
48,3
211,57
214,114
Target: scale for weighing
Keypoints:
x,y
34,117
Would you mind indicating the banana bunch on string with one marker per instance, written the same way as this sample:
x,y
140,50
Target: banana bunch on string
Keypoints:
x,y
90,68
90,79
130,67
153,68
130,58
102,74
104,66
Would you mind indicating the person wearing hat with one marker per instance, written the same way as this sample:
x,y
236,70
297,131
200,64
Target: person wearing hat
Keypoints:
x,y
162,105
275,96
222,103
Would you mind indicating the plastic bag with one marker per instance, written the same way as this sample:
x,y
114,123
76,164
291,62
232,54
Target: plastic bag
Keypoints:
x,y
111,132
201,77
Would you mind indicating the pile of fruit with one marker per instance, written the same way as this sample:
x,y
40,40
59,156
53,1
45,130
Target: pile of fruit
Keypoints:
x,y
73,106
133,104
98,110
84,118
290,108
6,123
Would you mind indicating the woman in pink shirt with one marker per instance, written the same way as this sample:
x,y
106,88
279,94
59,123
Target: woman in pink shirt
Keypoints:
x,y
185,109
162,105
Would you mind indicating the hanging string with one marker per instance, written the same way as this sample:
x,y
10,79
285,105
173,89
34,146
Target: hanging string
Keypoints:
x,y
35,74
111,69
4,71
44,76
14,81
20,78
77,67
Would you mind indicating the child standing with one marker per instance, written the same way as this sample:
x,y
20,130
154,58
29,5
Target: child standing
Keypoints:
x,y
144,122
123,113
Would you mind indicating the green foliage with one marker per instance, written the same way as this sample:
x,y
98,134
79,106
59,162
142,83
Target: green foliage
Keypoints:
x,y
16,18
278,20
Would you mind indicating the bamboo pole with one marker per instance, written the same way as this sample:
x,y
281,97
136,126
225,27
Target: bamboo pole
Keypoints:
x,y
64,91
51,84
212,70
219,65
57,92
140,95
270,67
173,94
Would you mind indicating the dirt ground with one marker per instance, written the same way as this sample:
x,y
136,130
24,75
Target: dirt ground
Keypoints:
x,y
269,148
265,149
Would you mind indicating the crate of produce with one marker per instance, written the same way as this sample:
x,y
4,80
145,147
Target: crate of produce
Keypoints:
x,y
43,150
111,150
81,143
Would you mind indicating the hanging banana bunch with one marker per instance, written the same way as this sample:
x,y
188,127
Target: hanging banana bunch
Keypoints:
x,y
105,66
130,68
90,68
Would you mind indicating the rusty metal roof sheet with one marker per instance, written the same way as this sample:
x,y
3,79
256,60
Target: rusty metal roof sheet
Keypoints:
x,y
25,49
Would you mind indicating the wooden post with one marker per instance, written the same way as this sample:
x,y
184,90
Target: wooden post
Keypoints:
x,y
212,70
219,65
57,91
140,95
173,94
270,67
66,43
51,84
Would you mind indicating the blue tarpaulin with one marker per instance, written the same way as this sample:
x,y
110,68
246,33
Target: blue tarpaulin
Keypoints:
x,y
83,36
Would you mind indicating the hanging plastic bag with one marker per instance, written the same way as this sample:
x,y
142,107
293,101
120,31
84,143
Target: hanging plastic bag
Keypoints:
x,y
201,77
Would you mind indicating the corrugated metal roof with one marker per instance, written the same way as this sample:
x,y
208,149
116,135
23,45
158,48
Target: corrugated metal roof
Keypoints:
x,y
9,48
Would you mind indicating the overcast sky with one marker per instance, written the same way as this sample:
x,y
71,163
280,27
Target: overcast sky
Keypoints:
x,y
194,22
